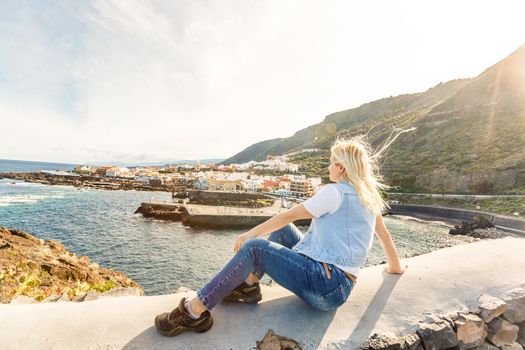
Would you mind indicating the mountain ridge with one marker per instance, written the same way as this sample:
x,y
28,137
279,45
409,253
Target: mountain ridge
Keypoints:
x,y
470,134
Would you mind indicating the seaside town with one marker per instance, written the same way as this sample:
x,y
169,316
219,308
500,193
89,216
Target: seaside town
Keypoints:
x,y
179,178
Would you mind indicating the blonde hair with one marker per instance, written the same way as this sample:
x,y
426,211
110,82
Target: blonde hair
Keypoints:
x,y
362,170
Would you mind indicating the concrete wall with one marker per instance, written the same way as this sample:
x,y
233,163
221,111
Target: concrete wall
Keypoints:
x,y
223,221
229,221
227,196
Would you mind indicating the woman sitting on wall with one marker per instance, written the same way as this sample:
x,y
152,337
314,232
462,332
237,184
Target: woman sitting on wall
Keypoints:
x,y
320,267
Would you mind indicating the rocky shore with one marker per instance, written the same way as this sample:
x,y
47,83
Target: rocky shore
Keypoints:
x,y
162,212
480,222
480,228
83,181
33,270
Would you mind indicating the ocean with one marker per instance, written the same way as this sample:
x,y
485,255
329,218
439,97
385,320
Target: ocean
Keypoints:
x,y
161,256
22,166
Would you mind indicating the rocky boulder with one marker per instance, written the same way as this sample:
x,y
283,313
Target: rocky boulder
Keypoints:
x,y
45,270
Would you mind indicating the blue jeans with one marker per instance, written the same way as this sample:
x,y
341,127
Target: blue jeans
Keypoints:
x,y
303,276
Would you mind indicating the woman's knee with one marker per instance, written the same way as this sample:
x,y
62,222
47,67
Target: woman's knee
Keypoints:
x,y
278,235
254,242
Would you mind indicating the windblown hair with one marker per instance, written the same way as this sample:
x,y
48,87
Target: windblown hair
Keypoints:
x,y
362,170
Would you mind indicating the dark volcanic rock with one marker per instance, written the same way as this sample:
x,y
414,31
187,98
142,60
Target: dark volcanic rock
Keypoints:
x,y
467,227
162,213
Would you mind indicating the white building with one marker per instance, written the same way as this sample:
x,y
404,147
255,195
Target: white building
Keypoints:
x,y
253,184
85,169
246,166
292,167
117,172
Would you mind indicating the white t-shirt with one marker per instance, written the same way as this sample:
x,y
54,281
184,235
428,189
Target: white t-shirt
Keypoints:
x,y
326,200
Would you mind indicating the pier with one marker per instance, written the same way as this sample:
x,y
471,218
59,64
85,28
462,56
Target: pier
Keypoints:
x,y
209,216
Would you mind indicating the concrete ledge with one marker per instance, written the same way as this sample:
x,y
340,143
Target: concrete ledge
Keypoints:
x,y
443,280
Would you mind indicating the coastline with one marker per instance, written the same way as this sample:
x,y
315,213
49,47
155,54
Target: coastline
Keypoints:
x,y
441,282
84,181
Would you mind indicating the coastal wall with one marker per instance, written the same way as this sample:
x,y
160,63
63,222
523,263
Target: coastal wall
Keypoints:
x,y
196,195
435,304
229,221
456,216
223,221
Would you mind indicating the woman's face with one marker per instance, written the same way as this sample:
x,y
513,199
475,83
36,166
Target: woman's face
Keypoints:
x,y
336,170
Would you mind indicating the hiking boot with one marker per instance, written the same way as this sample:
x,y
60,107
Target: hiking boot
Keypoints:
x,y
179,321
245,294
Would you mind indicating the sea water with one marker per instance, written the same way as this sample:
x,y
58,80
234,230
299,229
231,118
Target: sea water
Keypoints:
x,y
161,256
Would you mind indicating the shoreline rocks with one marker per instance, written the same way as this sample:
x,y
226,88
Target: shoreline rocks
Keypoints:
x,y
480,228
480,222
84,181
174,213
31,268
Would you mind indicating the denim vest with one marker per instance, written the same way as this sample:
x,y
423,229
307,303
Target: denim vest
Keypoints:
x,y
343,238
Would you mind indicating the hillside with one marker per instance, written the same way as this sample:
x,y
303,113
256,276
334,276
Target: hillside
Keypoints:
x,y
470,134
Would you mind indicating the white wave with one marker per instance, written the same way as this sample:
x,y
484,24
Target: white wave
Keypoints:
x,y
15,199
18,183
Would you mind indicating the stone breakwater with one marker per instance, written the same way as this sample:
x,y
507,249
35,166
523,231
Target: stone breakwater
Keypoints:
x,y
208,216
212,217
497,322
33,270
101,183
214,209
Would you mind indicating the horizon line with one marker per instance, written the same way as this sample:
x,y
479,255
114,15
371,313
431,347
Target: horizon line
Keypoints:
x,y
114,162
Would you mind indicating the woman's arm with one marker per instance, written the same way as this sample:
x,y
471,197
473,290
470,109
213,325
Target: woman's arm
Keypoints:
x,y
389,248
274,223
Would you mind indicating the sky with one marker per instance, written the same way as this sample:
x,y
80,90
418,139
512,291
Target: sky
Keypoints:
x,y
147,81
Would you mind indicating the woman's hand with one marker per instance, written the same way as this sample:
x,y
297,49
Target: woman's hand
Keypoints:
x,y
239,241
395,270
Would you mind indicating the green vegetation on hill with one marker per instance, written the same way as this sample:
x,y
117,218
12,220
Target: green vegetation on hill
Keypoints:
x,y
470,135
313,163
